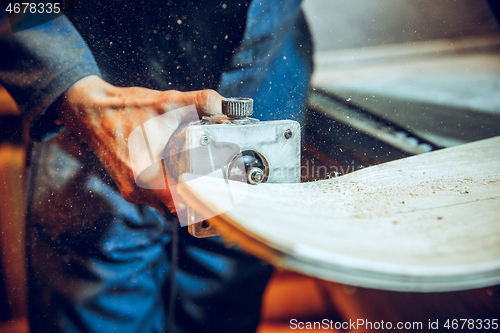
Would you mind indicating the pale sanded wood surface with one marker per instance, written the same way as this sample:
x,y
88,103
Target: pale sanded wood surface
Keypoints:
x,y
430,222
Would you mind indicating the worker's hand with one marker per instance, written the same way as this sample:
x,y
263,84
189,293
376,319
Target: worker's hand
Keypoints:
x,y
103,116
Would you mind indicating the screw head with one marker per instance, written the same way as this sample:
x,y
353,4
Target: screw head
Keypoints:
x,y
255,176
288,134
204,140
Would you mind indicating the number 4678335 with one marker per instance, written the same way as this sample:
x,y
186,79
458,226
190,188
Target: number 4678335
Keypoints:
x,y
471,324
32,7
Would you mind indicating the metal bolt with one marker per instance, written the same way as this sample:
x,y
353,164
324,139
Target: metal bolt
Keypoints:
x,y
204,140
255,176
288,134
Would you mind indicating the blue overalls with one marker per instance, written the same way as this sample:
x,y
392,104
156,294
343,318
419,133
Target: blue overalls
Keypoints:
x,y
97,262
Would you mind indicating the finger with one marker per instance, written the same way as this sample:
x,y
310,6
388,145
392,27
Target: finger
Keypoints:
x,y
207,102
161,200
171,200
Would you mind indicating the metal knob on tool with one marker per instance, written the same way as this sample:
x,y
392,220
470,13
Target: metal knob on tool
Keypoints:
x,y
237,107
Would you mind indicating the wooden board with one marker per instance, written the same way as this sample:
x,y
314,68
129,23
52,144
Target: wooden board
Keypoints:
x,y
426,223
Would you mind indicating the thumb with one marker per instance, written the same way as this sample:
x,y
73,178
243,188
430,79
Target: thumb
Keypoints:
x,y
208,102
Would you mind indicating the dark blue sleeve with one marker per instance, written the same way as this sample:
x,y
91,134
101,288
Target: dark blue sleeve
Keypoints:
x,y
273,64
37,65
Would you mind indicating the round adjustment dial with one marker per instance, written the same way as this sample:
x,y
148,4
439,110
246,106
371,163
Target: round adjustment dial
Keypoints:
x,y
237,107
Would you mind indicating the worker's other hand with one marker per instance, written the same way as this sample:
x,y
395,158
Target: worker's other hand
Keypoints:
x,y
103,116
